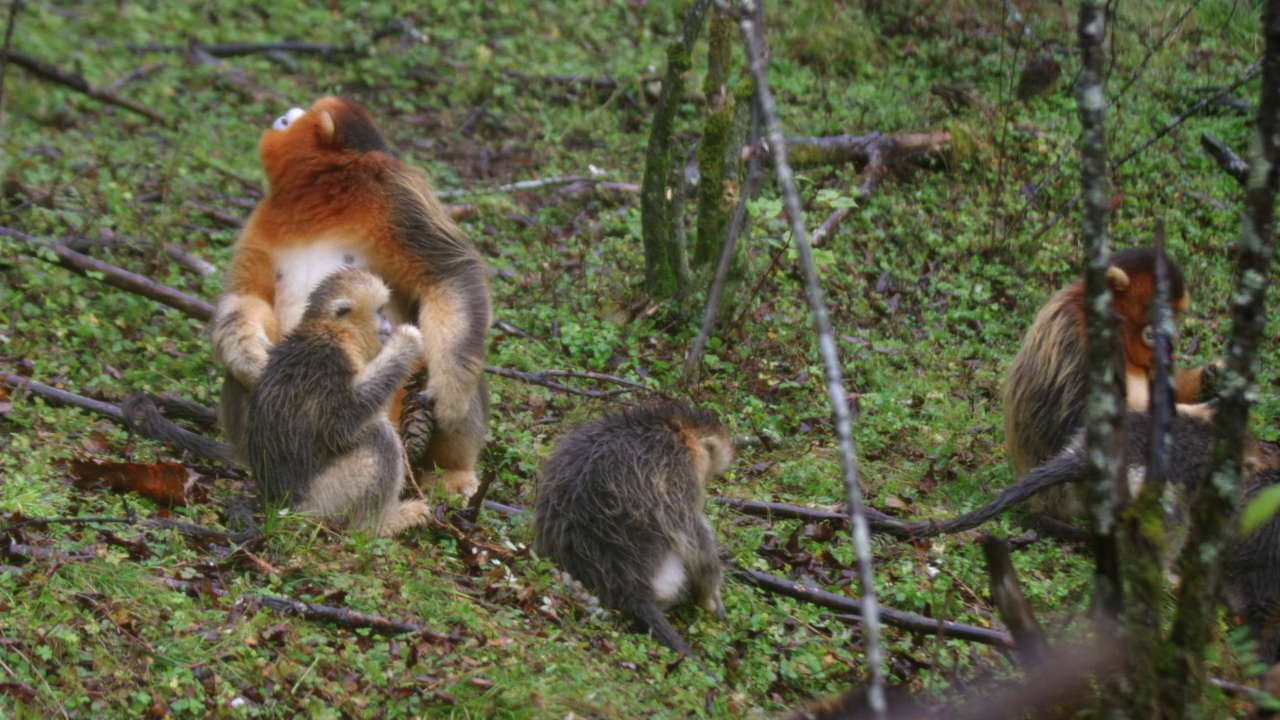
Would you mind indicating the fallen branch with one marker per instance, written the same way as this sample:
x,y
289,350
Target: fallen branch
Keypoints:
x,y
769,510
117,277
1006,593
1230,163
896,618
539,378
522,185
344,618
62,397
75,82
842,149
238,49
108,239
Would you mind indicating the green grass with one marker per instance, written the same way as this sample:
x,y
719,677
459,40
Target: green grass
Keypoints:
x,y
941,266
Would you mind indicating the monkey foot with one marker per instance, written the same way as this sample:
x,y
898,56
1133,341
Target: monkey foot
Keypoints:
x,y
409,514
462,482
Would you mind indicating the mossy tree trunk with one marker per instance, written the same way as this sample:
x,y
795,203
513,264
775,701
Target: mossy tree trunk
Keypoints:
x,y
661,209
1216,496
1104,409
713,196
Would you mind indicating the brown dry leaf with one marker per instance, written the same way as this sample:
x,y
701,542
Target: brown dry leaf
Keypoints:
x,y
166,483
894,503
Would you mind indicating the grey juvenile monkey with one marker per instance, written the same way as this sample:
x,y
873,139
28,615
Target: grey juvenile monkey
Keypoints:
x,y
318,436
620,507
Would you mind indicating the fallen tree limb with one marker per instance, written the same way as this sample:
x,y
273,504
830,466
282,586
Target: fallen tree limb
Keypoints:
x,y
117,277
841,149
760,508
539,378
112,241
1230,163
55,74
237,49
344,618
896,618
62,397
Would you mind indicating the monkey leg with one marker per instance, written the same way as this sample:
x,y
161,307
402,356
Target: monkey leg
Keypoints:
x,y
456,451
233,413
647,613
705,571
1198,384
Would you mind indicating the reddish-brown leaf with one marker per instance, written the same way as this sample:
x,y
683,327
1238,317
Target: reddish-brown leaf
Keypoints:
x,y
166,483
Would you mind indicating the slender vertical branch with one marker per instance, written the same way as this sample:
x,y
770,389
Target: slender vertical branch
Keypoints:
x,y
752,38
755,175
1104,409
1215,497
4,52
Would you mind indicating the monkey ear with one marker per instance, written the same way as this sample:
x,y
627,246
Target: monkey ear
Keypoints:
x,y
325,126
1117,279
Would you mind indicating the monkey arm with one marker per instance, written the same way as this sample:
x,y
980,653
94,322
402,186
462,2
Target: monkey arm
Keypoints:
x,y
454,317
244,324
373,386
1197,384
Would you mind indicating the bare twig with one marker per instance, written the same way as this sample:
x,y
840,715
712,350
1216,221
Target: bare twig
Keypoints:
x,y
539,378
522,185
760,508
343,617
896,618
829,225
751,188
1231,163
1214,497
4,52
114,276
752,34
75,82
1006,592
842,149
227,50
62,397
175,252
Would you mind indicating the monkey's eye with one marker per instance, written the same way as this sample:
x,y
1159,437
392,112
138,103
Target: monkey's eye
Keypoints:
x,y
1149,335
287,119
342,311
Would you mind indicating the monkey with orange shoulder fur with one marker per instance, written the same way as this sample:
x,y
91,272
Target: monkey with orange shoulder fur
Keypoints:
x,y
1045,392
338,198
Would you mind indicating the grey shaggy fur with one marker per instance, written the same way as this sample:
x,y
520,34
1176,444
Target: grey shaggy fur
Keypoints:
x,y
316,439
622,494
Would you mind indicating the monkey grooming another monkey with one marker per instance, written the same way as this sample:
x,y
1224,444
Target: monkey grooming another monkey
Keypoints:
x,y
337,198
1046,388
620,508
318,437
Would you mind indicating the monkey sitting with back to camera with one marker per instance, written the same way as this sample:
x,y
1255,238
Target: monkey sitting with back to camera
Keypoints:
x,y
318,437
620,508
1044,394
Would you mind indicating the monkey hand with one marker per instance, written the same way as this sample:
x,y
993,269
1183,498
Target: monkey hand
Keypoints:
x,y
405,340
242,328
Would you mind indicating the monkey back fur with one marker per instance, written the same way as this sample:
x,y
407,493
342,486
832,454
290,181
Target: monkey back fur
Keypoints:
x,y
621,498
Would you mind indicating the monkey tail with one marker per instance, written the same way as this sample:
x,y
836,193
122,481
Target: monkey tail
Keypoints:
x,y
1067,466
143,416
648,614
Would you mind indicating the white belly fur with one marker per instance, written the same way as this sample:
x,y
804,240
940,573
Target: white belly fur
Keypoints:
x,y
299,271
669,581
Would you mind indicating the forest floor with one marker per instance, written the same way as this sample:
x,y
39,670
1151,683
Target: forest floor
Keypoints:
x,y
931,281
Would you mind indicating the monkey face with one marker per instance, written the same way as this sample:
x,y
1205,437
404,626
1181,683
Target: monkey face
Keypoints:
x,y
287,119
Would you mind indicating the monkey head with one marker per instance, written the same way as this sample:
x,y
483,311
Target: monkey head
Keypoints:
x,y
334,132
1131,276
350,303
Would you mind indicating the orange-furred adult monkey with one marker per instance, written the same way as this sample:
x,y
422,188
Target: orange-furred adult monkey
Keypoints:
x,y
336,198
1045,392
